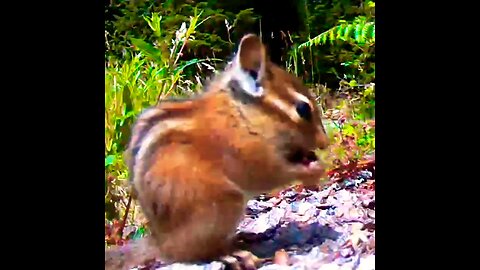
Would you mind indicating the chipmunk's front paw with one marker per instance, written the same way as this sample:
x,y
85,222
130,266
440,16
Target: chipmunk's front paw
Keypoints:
x,y
242,260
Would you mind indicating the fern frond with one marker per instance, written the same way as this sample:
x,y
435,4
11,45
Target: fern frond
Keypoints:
x,y
359,31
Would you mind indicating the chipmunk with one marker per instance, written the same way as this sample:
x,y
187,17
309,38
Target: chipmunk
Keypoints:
x,y
195,162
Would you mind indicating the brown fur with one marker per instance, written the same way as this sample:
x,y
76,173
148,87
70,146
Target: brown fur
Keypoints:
x,y
207,155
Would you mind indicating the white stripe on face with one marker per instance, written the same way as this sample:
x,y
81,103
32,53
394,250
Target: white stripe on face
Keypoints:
x,y
287,108
299,96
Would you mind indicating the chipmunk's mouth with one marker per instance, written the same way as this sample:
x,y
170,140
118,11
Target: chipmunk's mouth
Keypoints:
x,y
299,156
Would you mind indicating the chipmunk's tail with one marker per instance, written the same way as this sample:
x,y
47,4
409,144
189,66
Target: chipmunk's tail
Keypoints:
x,y
132,254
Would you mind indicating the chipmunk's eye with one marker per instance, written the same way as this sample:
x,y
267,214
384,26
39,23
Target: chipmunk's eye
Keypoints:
x,y
304,110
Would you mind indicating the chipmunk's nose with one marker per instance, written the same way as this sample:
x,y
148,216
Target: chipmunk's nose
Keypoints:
x,y
322,139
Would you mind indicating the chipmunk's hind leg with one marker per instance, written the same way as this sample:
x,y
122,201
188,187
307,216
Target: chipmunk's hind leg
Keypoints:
x,y
208,232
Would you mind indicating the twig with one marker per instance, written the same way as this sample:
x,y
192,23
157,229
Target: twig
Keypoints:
x,y
127,209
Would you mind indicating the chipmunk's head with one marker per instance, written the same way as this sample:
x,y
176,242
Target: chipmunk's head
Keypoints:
x,y
275,104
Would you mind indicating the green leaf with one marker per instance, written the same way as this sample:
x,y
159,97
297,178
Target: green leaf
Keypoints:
x,y
154,23
339,31
361,142
348,130
188,63
147,49
369,31
332,36
110,160
358,32
348,32
139,234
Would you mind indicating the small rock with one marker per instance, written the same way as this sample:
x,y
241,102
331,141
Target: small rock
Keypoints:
x,y
367,263
264,221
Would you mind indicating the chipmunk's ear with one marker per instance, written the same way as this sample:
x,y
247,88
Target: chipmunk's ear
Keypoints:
x,y
249,64
251,55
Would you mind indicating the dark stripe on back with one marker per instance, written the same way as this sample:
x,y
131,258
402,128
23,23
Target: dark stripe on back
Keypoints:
x,y
143,126
140,130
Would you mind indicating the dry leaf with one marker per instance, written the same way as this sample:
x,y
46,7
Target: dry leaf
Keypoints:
x,y
357,234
